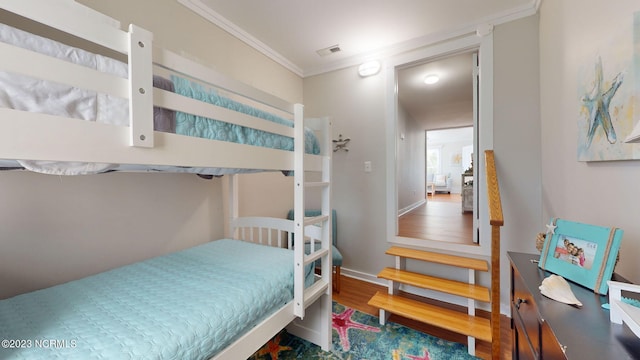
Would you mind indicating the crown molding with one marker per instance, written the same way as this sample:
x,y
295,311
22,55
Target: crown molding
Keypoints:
x,y
206,12
431,39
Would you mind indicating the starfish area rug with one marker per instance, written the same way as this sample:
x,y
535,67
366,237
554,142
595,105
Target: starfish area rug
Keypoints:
x,y
359,336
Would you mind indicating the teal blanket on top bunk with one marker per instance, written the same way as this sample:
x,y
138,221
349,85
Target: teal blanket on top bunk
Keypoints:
x,y
25,93
185,305
198,126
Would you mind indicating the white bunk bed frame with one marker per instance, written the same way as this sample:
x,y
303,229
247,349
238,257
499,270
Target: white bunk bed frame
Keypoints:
x,y
33,136
620,311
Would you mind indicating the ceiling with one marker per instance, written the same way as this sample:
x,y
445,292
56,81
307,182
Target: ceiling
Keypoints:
x,y
292,31
445,104
441,137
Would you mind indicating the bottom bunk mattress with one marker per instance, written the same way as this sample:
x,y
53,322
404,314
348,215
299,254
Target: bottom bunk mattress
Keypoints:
x,y
185,305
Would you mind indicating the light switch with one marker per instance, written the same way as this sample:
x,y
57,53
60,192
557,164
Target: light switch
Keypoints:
x,y
367,166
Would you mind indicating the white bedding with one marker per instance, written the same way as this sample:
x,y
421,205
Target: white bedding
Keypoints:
x,y
29,94
36,95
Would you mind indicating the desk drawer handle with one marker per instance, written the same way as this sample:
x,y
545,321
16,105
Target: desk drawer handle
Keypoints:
x,y
520,301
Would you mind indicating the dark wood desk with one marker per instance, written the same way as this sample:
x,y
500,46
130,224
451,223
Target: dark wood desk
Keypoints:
x,y
546,329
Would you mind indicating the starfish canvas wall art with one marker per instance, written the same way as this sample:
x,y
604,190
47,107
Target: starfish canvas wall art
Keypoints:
x,y
597,104
608,90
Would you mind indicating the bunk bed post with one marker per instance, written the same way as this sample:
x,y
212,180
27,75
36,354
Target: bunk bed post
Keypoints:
x,y
232,205
326,301
140,87
327,208
298,215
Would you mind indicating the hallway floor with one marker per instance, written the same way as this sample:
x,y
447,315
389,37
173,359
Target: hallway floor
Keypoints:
x,y
440,218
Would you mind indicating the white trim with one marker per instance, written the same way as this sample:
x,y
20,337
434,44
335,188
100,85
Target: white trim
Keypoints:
x,y
471,41
484,140
206,12
411,207
427,40
358,275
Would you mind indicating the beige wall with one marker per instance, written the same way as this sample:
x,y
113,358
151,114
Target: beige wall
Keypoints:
x,y
54,229
179,29
572,34
411,162
517,139
357,106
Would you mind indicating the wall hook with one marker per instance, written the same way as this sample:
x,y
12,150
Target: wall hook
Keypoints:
x,y
340,144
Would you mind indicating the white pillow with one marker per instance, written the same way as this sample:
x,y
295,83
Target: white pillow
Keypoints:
x,y
440,180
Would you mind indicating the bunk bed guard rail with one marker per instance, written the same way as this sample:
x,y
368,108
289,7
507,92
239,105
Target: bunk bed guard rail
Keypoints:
x,y
136,44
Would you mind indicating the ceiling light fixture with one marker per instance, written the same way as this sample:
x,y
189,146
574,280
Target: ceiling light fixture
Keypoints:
x,y
369,68
431,79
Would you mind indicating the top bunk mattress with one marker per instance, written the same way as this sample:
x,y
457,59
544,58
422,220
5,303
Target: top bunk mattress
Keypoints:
x,y
185,305
22,92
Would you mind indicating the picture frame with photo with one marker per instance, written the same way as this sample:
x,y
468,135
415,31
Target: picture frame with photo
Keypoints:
x,y
583,253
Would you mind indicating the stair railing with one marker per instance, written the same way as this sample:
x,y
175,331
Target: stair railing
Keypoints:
x,y
496,220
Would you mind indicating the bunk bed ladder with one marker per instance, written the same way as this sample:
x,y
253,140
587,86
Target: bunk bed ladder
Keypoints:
x,y
319,224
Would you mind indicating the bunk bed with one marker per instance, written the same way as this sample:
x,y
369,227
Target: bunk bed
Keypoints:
x,y
169,306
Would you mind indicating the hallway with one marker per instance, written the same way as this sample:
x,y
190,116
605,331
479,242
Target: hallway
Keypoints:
x,y
440,218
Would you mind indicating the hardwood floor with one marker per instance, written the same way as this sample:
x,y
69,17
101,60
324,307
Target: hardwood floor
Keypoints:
x,y
441,218
355,294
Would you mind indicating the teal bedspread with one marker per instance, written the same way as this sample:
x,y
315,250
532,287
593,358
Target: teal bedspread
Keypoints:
x,y
185,305
192,125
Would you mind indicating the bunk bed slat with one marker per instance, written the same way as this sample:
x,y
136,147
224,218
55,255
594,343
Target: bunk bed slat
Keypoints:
x,y
181,65
94,142
173,101
34,64
315,255
73,18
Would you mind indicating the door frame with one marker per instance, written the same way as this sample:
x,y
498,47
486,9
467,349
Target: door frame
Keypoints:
x,y
482,42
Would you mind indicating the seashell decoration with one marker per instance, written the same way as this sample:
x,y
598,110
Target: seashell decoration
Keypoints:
x,y
556,287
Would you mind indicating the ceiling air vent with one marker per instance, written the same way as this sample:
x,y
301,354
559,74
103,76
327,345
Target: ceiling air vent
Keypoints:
x,y
329,50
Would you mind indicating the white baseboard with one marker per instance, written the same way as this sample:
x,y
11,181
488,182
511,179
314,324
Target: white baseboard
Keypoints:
x,y
358,275
411,207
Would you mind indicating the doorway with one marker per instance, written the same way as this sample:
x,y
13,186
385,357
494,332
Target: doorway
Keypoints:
x,y
443,216
436,102
470,46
